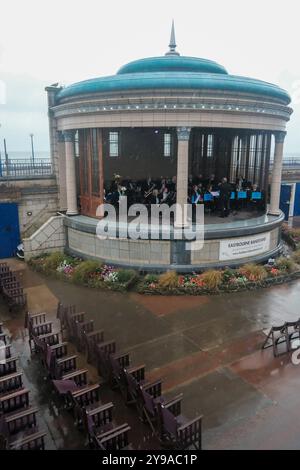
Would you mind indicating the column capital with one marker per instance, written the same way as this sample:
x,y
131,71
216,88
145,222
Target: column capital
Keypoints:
x,y
183,133
68,135
279,137
60,136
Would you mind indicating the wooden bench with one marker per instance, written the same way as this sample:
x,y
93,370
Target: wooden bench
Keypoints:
x,y
5,352
51,339
115,439
91,341
3,339
64,312
82,328
66,364
86,396
35,441
135,377
103,352
12,284
82,399
21,421
118,363
14,401
42,329
37,318
98,420
72,321
14,297
175,429
78,376
150,396
11,382
9,366
60,350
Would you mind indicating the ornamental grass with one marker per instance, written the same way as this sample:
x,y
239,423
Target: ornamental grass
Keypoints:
x,y
212,279
253,272
168,280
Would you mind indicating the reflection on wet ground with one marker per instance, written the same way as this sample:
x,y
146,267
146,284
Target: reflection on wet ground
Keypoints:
x,y
208,348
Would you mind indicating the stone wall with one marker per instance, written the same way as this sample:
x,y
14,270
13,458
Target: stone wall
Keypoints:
x,y
82,241
140,253
49,237
37,200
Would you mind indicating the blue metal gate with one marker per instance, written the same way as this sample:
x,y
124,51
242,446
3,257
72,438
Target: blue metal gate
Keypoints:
x,y
285,199
9,229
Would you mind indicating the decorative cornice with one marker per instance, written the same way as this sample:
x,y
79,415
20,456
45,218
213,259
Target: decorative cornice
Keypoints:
x,y
183,133
77,109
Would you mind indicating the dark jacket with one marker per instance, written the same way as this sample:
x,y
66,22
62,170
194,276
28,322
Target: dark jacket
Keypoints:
x,y
225,191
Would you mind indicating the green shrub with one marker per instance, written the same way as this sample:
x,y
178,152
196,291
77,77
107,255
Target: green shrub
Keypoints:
x,y
53,260
294,232
168,280
151,278
212,279
84,269
228,274
285,264
126,275
296,256
253,272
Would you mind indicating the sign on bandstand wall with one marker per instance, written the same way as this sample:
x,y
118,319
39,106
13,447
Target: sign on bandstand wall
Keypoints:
x,y
245,247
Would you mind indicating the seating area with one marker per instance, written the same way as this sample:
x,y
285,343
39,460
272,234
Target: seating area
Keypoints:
x,y
164,416
11,289
281,338
81,397
18,417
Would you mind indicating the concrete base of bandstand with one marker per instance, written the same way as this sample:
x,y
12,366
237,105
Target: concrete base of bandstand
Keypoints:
x,y
224,242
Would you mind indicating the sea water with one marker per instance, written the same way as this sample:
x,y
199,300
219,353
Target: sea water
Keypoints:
x,y
26,155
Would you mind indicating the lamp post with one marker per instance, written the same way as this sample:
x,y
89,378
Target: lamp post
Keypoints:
x,y
32,149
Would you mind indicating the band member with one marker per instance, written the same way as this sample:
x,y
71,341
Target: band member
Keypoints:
x,y
148,187
165,195
196,195
225,192
213,183
155,197
172,184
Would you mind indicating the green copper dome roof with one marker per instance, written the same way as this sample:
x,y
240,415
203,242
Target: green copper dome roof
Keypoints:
x,y
174,72
172,63
170,79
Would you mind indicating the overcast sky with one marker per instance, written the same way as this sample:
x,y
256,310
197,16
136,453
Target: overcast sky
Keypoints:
x,y
66,41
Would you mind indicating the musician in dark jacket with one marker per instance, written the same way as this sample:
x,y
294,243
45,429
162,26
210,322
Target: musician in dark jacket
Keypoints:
x,y
225,193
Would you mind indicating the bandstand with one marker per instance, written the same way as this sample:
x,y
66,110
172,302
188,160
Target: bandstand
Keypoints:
x,y
172,117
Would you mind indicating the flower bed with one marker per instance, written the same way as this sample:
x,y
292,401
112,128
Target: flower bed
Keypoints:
x,y
96,275
88,273
291,236
247,277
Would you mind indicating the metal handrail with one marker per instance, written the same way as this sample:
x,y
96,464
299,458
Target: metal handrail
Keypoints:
x,y
25,168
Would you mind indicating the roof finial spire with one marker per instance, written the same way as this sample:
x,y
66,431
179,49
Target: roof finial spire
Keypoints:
x,y
172,45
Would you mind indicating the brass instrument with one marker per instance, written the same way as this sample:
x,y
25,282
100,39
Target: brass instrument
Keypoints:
x,y
147,193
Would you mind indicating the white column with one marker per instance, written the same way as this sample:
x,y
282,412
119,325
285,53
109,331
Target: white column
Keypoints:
x,y
183,134
276,174
62,172
70,173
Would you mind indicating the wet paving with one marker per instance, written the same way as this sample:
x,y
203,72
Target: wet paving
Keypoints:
x,y
208,348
